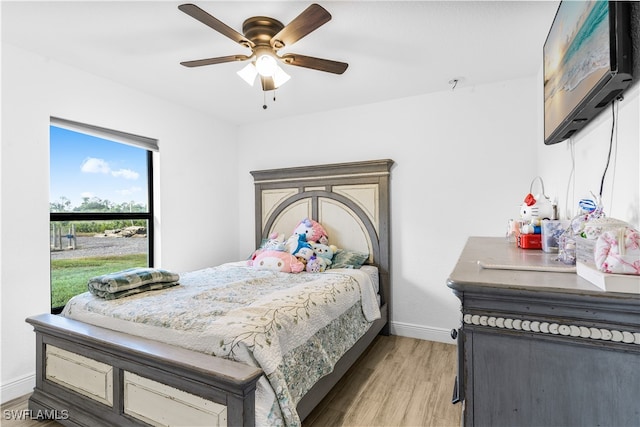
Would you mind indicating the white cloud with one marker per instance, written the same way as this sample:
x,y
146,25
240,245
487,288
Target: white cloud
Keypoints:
x,y
93,165
86,194
125,173
130,191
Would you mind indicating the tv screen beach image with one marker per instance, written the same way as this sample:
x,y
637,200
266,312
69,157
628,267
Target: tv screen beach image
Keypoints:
x,y
576,58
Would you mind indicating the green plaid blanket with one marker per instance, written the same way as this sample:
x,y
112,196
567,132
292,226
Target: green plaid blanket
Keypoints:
x,y
131,281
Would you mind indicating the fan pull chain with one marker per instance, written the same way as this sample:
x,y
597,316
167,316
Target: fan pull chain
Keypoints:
x,y
264,99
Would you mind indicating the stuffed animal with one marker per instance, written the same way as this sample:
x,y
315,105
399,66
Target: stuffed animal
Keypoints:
x,y
537,208
312,230
533,210
275,242
304,254
298,246
277,261
324,251
317,264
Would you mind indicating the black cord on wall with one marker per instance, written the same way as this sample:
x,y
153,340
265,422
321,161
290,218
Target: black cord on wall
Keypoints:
x,y
613,127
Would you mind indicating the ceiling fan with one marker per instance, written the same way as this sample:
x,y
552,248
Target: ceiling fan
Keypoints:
x,y
265,37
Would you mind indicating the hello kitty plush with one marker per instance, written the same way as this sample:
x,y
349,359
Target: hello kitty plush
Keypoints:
x,y
313,231
537,208
533,211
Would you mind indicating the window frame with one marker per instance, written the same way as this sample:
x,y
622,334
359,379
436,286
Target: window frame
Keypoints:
x,y
106,216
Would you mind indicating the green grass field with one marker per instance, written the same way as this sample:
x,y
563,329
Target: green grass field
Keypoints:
x,y
69,277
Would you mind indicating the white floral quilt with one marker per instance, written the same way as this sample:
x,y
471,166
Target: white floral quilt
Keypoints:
x,y
293,326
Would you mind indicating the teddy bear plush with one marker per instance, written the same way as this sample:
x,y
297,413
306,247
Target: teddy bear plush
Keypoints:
x,y
324,251
321,259
312,230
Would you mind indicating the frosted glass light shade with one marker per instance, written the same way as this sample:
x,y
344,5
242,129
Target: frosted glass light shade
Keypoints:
x,y
280,77
266,65
249,73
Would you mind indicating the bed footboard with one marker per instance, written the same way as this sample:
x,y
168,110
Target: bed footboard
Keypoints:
x,y
86,375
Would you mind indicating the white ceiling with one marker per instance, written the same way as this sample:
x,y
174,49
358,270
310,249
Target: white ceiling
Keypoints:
x,y
394,49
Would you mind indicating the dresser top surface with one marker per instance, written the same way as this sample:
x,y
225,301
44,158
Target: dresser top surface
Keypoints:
x,y
516,268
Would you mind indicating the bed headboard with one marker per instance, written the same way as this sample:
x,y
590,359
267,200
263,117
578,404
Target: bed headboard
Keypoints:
x,y
350,200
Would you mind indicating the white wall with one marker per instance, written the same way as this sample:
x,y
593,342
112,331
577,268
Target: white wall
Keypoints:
x,y
621,191
464,162
194,215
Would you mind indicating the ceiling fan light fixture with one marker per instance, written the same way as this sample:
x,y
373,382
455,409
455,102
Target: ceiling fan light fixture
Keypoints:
x,y
248,73
280,77
265,37
266,65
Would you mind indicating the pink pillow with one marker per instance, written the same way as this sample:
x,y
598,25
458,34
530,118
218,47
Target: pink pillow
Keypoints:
x,y
277,261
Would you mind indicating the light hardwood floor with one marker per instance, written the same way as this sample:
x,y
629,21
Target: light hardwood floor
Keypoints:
x,y
399,381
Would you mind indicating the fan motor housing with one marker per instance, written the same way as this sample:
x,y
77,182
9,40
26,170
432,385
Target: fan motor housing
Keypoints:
x,y
261,29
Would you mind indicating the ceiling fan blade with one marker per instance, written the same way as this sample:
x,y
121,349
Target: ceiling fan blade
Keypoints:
x,y
218,60
309,20
319,64
267,83
202,16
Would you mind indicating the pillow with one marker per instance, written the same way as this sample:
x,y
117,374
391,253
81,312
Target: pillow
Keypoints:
x,y
344,258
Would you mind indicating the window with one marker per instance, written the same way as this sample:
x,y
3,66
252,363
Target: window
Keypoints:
x,y
101,205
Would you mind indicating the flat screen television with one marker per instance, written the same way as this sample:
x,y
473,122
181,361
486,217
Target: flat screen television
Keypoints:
x,y
587,64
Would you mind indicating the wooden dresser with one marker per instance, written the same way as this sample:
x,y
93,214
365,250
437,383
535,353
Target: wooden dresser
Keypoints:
x,y
540,348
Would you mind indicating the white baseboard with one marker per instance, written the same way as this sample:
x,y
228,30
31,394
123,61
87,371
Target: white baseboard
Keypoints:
x,y
17,388
421,332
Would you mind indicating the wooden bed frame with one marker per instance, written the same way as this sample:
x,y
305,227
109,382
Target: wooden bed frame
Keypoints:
x,y
92,376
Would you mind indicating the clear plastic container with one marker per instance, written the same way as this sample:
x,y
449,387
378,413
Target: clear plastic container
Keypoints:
x,y
552,229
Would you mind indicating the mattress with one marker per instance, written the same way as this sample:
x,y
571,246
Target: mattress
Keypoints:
x,y
293,326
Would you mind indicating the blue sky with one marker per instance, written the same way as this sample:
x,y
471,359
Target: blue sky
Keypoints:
x,y
86,166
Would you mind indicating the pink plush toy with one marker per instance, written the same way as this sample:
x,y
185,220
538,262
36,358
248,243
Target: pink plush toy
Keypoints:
x,y
277,261
314,231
